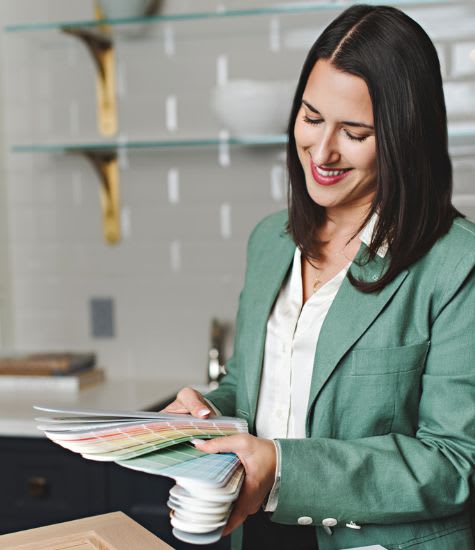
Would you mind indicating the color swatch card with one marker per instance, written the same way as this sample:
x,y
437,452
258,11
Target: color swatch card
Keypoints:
x,y
158,444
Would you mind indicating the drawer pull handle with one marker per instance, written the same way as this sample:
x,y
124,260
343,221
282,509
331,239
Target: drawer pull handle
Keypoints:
x,y
37,486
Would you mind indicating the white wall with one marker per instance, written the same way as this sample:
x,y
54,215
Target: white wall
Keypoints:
x,y
6,328
177,266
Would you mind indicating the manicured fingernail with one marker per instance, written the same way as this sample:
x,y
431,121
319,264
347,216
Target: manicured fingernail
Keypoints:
x,y
203,412
196,441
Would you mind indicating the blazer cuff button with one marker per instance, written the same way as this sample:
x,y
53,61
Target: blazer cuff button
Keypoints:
x,y
353,525
327,524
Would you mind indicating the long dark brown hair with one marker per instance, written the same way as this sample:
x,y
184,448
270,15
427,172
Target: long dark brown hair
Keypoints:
x,y
399,63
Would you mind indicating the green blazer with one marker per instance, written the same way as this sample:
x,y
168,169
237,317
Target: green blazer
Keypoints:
x,y
390,422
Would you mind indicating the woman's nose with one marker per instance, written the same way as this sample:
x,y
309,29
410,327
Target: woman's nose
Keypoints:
x,y
326,152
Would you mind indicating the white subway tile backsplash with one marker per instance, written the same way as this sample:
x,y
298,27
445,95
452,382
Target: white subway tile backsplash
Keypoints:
x,y
24,224
301,38
77,188
25,11
171,116
225,220
42,329
460,99
221,70
123,154
464,176
175,256
434,20
277,183
37,260
173,185
224,148
50,293
275,38
444,54
186,213
66,70
63,120
463,62
17,89
213,258
20,193
164,75
125,222
19,117
143,117
169,44
466,205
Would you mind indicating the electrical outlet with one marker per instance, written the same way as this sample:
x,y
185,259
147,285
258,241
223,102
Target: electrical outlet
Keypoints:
x,y
102,317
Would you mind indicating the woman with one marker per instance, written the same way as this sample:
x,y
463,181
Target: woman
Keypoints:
x,y
354,353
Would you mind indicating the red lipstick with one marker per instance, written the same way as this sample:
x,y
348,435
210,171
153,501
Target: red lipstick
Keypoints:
x,y
327,180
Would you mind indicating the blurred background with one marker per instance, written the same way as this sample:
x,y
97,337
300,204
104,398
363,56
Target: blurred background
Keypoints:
x,y
135,158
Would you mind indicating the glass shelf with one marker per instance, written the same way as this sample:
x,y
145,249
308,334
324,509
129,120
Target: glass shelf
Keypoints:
x,y
287,8
461,140
149,144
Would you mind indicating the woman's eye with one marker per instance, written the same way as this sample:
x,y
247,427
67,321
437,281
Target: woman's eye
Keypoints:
x,y
316,121
313,120
355,138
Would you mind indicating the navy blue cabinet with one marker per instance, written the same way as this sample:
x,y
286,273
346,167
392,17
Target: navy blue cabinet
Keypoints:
x,y
44,484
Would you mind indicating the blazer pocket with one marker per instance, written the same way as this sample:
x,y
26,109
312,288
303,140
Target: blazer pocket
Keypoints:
x,y
377,361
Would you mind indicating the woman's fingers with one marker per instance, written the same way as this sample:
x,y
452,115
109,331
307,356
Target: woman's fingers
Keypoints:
x,y
194,402
175,407
189,401
227,444
245,505
236,518
258,457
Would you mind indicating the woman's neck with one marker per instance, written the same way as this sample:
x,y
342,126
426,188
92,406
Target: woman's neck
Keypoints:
x,y
344,222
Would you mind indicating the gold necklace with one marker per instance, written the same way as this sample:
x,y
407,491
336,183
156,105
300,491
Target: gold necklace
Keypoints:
x,y
317,282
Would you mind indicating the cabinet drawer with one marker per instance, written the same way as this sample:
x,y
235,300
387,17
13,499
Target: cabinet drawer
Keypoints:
x,y
42,484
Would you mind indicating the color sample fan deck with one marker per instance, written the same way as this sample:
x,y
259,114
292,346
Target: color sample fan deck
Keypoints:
x,y
158,444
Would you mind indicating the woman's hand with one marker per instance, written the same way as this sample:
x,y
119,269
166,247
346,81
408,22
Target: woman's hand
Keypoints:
x,y
258,457
189,401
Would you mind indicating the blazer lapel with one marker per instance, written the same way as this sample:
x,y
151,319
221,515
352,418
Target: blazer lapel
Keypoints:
x,y
350,314
267,280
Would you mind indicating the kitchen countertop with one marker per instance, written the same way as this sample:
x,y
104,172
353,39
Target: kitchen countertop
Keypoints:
x,y
17,414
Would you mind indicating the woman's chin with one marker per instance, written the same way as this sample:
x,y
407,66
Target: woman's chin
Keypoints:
x,y
323,197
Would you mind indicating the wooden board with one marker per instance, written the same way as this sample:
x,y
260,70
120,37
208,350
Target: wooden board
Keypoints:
x,y
114,531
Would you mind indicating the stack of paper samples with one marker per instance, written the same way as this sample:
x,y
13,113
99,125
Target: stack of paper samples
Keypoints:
x,y
158,443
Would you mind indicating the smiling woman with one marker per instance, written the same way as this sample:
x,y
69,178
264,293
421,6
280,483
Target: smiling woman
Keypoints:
x,y
333,147
354,349
361,82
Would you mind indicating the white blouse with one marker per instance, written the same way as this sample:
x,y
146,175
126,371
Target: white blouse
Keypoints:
x,y
291,340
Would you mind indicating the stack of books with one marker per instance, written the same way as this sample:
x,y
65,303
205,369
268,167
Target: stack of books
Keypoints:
x,y
158,443
60,371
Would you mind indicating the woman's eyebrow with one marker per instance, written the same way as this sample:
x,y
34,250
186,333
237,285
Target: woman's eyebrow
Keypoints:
x,y
347,122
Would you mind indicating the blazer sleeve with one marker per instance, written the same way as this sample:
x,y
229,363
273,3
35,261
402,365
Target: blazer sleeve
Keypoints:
x,y
397,478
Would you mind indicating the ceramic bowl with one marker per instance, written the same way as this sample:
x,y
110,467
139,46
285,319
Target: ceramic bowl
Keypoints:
x,y
248,107
122,9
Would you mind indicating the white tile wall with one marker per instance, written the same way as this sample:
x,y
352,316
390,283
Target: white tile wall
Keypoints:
x,y
187,216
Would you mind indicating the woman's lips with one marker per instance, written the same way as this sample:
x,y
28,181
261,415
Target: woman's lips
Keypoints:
x,y
326,180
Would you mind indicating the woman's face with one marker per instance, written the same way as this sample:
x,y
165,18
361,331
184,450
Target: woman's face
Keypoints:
x,y
333,132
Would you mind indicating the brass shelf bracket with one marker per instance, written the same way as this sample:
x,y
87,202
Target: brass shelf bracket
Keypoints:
x,y
101,47
106,166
